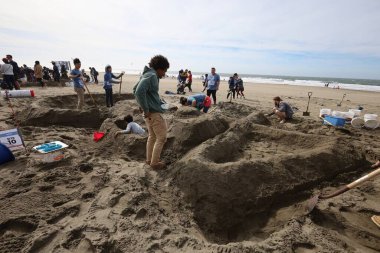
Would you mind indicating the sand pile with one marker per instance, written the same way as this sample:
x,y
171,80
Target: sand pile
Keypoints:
x,y
237,182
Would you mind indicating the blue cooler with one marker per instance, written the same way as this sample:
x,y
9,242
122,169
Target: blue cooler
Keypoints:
x,y
334,121
5,154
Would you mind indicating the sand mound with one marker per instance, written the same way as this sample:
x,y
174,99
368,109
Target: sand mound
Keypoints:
x,y
236,183
246,170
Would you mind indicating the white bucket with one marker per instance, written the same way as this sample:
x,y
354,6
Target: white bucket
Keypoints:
x,y
324,112
17,93
356,112
373,124
370,117
357,122
337,114
349,115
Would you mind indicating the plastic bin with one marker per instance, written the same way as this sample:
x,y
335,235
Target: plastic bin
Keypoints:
x,y
334,121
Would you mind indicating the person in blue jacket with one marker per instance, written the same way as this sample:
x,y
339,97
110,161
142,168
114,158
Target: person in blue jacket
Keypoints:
x,y
199,101
108,82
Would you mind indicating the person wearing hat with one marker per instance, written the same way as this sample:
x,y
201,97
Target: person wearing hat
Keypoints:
x,y
282,109
108,81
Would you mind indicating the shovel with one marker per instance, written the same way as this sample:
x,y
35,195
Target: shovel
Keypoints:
x,y
340,104
121,80
307,113
314,200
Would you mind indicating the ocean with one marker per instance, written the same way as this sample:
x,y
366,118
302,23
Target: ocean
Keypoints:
x,y
343,83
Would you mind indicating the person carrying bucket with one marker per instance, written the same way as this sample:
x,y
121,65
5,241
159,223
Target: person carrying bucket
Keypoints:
x,y
108,81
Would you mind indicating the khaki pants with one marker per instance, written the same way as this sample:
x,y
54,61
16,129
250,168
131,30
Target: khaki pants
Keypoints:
x,y
80,93
157,137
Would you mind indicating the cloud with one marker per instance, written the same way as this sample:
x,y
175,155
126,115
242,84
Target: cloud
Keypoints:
x,y
198,34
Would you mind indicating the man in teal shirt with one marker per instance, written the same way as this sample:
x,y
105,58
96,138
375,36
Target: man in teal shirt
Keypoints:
x,y
146,93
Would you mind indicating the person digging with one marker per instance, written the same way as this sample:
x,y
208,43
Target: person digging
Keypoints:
x,y
282,110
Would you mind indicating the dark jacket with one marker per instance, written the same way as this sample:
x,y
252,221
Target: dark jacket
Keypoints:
x,y
16,69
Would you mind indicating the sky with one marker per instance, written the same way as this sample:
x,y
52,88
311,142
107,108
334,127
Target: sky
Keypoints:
x,y
322,38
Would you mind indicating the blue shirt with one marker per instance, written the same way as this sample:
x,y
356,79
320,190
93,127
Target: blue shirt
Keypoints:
x,y
199,98
108,80
212,82
285,107
78,83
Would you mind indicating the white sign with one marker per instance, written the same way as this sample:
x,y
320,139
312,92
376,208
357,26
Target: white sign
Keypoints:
x,y
12,139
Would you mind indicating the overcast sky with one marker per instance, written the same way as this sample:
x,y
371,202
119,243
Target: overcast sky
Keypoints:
x,y
339,38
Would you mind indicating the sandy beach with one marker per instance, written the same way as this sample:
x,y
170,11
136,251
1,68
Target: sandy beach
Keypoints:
x,y
237,180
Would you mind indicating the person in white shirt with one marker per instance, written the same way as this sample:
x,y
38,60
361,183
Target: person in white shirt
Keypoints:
x,y
132,127
7,70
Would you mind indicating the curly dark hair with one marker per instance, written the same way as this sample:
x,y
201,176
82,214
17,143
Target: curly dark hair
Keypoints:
x,y
159,62
128,118
76,60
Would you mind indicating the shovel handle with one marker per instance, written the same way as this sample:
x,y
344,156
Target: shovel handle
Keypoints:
x,y
121,80
309,94
363,179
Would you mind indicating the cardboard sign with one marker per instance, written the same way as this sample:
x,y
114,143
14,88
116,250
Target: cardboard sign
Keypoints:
x,y
12,139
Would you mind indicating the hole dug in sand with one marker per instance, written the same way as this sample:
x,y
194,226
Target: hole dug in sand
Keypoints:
x,y
70,101
61,110
241,194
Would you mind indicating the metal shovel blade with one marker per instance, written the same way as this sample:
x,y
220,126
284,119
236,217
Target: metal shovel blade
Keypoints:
x,y
311,203
305,113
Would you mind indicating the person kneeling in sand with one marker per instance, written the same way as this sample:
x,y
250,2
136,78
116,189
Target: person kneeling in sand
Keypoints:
x,y
199,101
132,127
282,109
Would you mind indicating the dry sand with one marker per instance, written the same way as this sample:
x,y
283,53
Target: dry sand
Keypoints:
x,y
237,181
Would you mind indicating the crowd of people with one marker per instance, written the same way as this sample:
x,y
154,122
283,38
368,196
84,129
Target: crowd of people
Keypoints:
x,y
14,76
